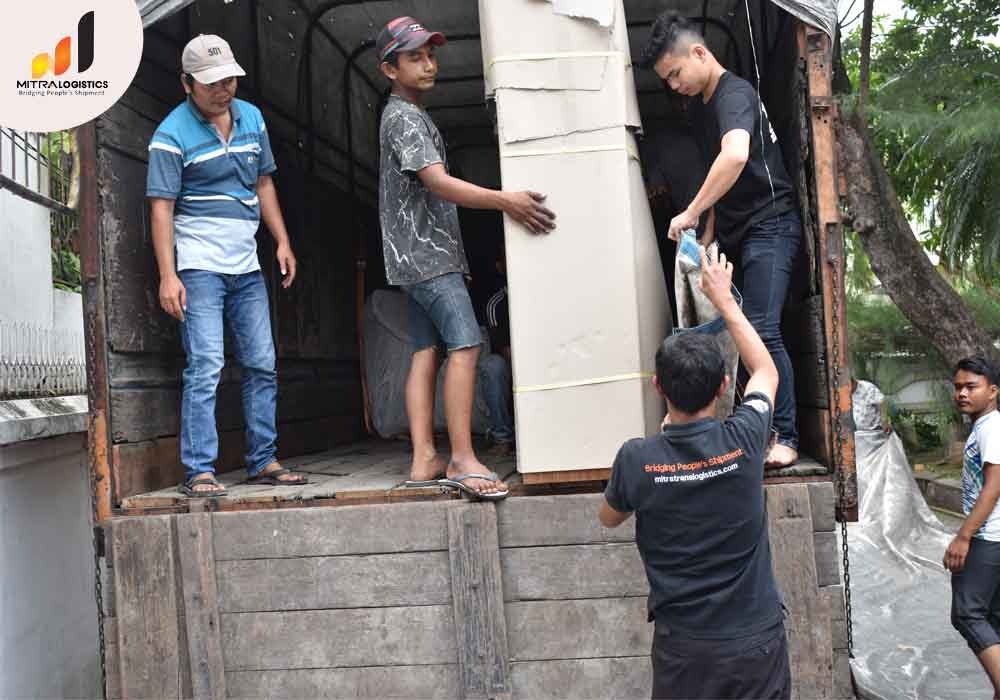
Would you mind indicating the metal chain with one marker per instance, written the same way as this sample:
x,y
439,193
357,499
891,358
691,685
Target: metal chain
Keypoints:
x,y
98,583
838,453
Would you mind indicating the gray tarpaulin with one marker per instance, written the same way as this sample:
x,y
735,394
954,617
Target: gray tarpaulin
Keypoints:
x,y
819,13
904,644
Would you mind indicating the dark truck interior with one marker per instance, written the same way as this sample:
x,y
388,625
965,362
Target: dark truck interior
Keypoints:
x,y
311,69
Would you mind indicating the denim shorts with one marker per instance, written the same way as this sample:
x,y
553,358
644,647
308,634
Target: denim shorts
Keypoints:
x,y
440,311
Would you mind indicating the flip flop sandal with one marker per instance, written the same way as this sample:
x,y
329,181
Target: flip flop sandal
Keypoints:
x,y
271,479
187,488
456,482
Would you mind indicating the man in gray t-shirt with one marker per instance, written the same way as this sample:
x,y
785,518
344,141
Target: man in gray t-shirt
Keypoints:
x,y
423,252
420,233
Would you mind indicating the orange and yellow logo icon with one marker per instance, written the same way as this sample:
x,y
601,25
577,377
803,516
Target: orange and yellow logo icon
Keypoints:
x,y
63,57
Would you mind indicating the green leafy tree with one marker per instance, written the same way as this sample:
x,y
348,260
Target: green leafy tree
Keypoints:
x,y
927,147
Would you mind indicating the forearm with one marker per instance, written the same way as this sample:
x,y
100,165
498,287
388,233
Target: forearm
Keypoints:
x,y
722,176
985,504
753,353
465,194
163,242
270,211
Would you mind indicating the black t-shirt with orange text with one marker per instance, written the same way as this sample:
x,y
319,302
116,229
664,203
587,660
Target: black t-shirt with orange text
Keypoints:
x,y
701,522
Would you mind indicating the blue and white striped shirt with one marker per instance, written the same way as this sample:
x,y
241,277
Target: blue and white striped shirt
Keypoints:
x,y
214,183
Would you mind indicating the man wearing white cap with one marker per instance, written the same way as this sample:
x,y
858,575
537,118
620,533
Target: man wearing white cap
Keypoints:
x,y
209,184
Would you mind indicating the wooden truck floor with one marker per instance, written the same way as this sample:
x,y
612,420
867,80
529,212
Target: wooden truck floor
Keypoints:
x,y
370,471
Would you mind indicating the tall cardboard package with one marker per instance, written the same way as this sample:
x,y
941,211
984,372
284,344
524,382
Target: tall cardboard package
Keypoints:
x,y
588,303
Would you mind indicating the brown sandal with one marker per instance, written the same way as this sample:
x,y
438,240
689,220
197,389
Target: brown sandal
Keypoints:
x,y
271,478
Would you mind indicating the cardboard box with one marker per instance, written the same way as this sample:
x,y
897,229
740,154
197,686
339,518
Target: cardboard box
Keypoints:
x,y
588,303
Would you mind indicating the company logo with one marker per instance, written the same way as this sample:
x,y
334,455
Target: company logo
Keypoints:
x,y
72,67
42,63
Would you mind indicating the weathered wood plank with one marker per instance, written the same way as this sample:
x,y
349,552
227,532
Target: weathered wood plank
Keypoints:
x,y
376,529
822,503
145,413
572,572
808,624
815,435
112,676
477,599
628,678
201,606
338,638
827,558
578,629
556,520
146,603
811,388
314,583
434,682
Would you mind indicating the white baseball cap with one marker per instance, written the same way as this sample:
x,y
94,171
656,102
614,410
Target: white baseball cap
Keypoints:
x,y
209,58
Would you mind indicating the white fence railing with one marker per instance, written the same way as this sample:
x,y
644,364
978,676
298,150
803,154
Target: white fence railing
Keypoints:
x,y
38,362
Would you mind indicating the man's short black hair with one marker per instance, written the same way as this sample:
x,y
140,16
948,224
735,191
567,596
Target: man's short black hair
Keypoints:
x,y
668,30
392,59
690,369
979,364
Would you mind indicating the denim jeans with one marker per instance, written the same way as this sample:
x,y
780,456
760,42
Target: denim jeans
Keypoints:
x,y
767,256
495,386
440,310
216,302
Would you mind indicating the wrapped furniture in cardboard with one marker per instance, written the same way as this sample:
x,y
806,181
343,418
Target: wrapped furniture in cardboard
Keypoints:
x,y
588,303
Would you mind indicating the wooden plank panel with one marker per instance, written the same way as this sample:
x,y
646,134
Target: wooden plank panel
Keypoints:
x,y
313,583
112,676
149,412
477,599
433,682
146,604
815,436
196,562
827,558
822,501
338,638
375,529
556,520
580,571
578,629
628,678
808,624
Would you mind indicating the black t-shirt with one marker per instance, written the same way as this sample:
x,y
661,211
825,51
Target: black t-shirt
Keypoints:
x,y
701,523
498,320
763,189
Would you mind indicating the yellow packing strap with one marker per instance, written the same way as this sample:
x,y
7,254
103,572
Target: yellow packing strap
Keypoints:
x,y
628,148
583,382
562,54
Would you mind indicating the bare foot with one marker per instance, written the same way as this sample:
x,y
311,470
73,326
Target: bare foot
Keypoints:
x,y
427,467
474,466
780,456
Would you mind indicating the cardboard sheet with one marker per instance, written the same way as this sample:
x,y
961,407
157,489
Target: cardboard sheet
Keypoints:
x,y
601,11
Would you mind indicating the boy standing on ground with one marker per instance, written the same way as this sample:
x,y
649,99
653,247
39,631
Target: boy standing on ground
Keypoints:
x,y
747,188
701,524
209,184
424,255
973,556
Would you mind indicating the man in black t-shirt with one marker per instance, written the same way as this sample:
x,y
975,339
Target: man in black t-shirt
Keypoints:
x,y
748,190
701,524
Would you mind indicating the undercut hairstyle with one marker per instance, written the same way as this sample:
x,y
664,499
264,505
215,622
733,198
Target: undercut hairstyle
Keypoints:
x,y
671,34
690,369
979,364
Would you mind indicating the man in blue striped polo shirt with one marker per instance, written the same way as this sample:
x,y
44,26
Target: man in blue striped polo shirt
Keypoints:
x,y
209,183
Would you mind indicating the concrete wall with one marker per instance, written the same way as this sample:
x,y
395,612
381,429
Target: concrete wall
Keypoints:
x,y
48,615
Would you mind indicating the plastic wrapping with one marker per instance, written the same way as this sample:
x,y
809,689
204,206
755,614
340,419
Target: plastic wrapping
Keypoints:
x,y
904,644
387,362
